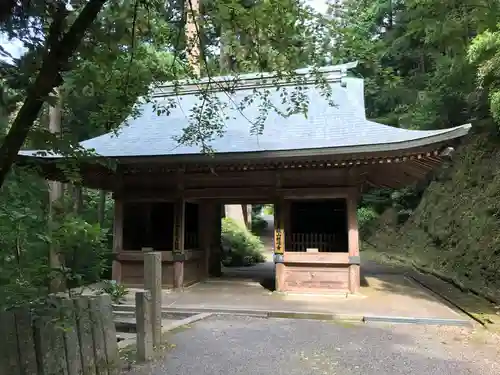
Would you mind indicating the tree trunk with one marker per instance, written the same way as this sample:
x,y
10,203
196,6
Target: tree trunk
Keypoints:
x,y
101,214
225,60
48,78
56,208
78,199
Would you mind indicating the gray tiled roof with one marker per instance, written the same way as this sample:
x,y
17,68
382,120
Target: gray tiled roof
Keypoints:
x,y
340,128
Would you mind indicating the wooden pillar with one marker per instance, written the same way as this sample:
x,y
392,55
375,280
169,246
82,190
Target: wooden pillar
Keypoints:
x,y
178,253
279,243
215,245
205,229
353,238
117,239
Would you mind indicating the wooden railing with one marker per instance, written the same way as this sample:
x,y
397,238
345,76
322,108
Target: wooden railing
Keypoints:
x,y
324,242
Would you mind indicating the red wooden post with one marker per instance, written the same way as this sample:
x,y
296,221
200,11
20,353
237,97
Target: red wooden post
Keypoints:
x,y
178,245
354,271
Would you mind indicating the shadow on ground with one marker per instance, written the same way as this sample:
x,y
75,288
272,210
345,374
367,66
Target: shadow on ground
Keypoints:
x,y
481,309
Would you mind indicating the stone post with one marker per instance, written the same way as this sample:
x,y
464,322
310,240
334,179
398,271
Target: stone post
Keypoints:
x,y
152,283
143,322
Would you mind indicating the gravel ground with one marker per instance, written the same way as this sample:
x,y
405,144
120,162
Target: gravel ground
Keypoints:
x,y
253,346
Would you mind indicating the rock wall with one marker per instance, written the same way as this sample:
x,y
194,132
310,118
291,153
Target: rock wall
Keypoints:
x,y
455,230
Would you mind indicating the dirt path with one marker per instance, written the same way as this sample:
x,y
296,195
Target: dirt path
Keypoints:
x,y
253,346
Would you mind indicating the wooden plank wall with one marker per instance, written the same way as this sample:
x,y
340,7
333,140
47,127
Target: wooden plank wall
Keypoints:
x,y
71,337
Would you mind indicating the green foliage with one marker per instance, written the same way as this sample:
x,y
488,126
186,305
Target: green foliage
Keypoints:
x,y
116,291
484,51
455,228
240,247
413,55
269,209
366,216
258,225
83,247
25,240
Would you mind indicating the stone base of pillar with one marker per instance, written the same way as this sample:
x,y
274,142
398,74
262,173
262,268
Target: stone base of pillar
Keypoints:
x,y
354,278
116,271
280,277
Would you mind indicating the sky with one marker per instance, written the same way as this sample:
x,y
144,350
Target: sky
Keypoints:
x,y
15,48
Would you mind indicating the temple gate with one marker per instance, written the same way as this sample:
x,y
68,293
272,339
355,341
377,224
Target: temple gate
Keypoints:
x,y
314,169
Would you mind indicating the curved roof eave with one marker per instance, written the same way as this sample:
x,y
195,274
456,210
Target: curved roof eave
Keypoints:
x,y
442,137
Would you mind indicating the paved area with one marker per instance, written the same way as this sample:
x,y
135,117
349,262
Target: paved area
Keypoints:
x,y
254,346
382,294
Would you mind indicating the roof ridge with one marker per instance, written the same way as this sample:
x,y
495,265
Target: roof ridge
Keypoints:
x,y
331,74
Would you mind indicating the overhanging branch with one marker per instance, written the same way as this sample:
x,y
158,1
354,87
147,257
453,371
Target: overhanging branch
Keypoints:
x,y
48,77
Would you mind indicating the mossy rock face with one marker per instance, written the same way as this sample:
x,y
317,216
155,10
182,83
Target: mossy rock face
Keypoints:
x,y
455,229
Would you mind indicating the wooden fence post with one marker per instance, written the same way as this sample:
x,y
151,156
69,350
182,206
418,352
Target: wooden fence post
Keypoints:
x,y
109,332
84,327
98,336
143,322
49,340
9,359
70,336
65,337
152,281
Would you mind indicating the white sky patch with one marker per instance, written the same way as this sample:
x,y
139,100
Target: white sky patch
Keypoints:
x,y
14,47
320,6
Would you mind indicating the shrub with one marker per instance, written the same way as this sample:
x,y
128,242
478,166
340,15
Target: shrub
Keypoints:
x,y
239,246
258,225
116,291
84,248
269,209
366,217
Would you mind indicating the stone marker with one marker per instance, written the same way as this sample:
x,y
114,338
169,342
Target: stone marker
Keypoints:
x,y
143,322
152,281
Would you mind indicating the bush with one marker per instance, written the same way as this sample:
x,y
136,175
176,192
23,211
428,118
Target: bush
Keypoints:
x,y
84,249
258,225
269,209
239,246
116,291
366,217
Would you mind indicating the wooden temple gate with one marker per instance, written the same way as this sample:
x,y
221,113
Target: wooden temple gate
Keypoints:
x,y
318,261
169,197
316,232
